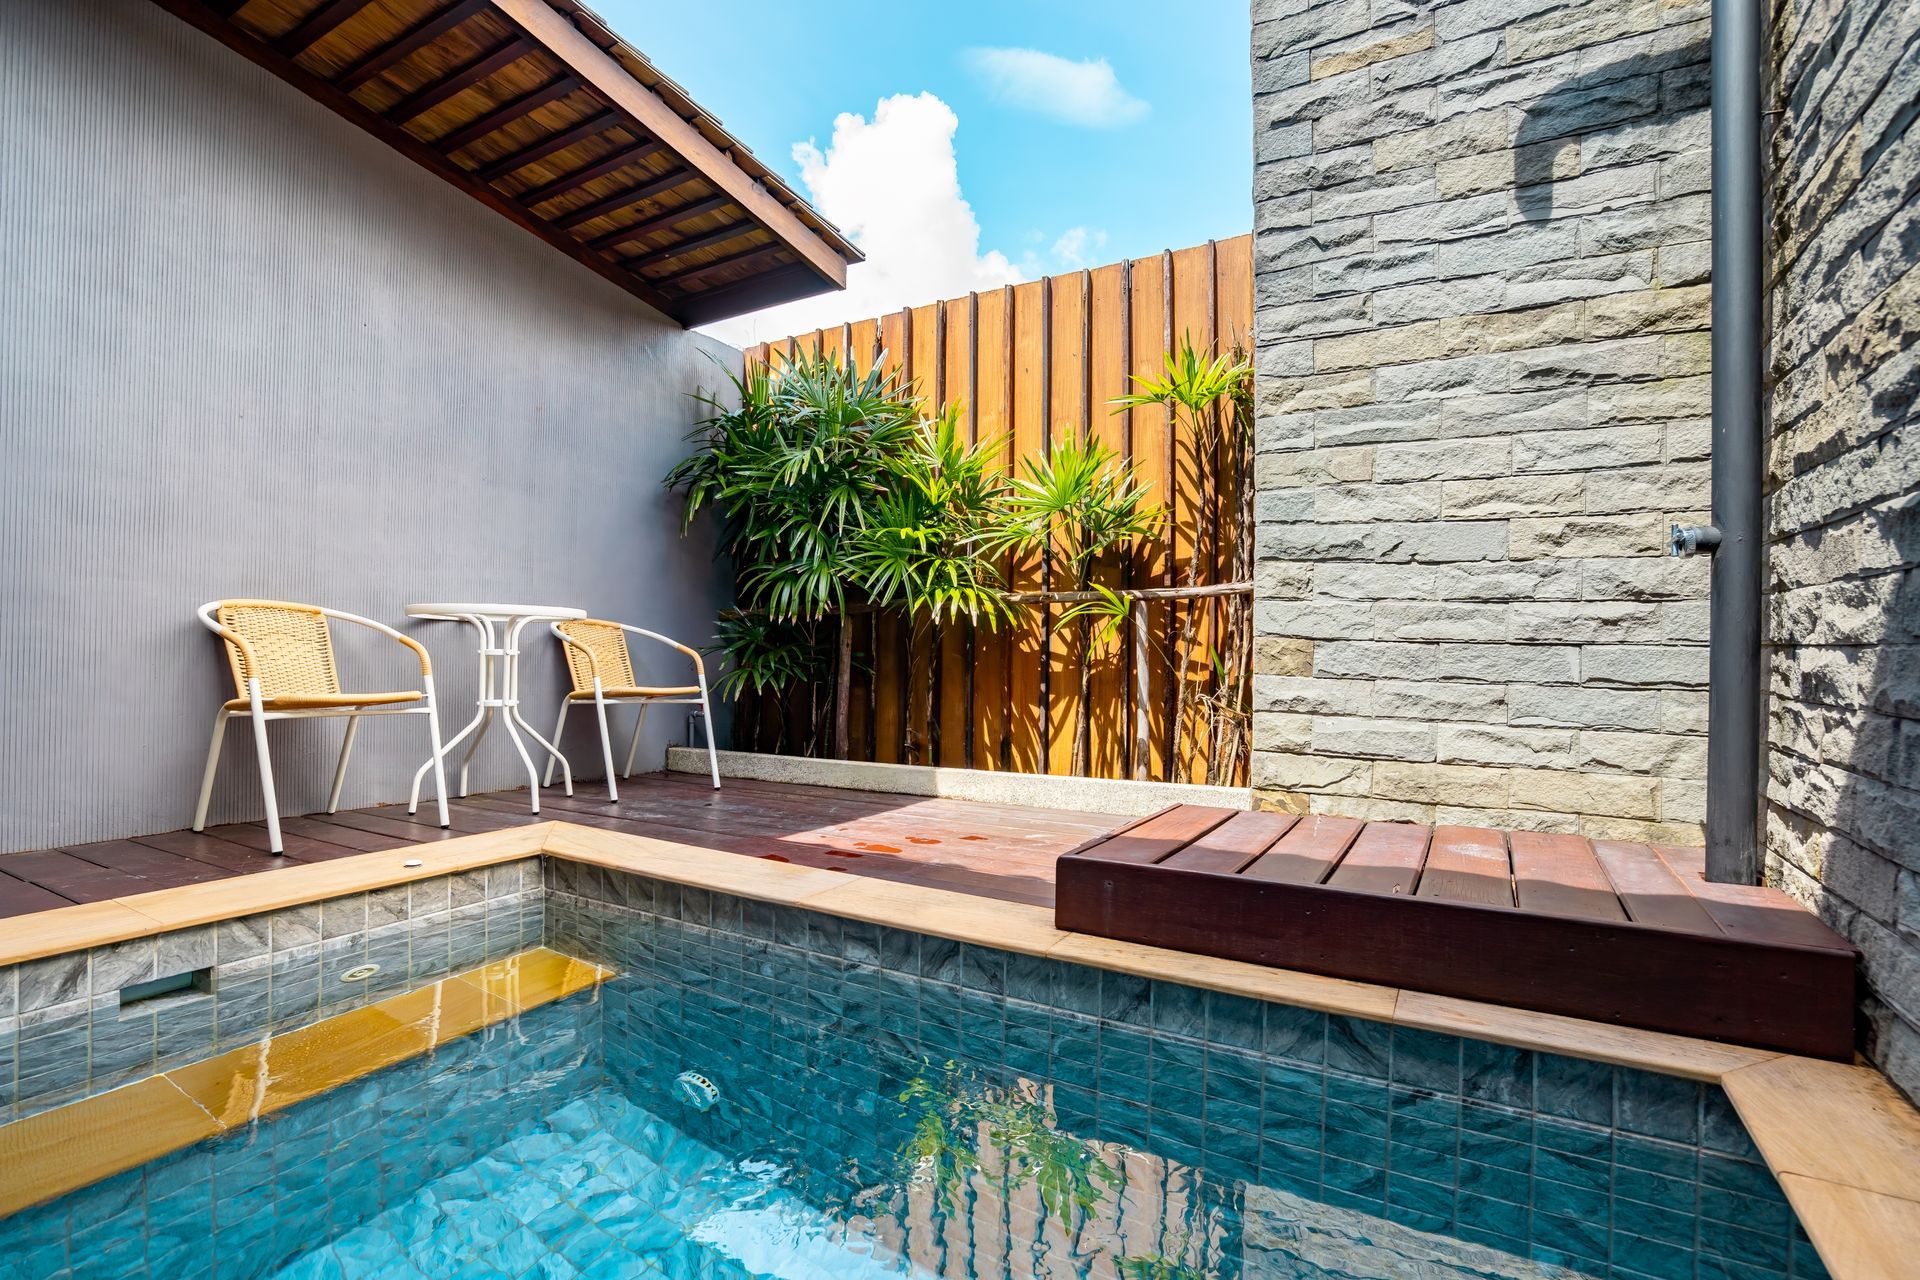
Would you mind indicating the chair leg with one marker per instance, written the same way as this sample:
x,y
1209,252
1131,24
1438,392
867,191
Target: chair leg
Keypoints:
x,y
439,756
606,743
633,743
213,763
274,842
706,713
559,726
340,769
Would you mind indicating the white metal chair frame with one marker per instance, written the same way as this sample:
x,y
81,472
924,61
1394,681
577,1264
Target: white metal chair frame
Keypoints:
x,y
601,699
259,714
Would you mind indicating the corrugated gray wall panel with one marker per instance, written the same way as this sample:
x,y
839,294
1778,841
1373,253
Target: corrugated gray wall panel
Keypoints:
x,y
247,350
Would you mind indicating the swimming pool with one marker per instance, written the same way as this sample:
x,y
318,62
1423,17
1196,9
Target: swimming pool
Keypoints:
x,y
886,1103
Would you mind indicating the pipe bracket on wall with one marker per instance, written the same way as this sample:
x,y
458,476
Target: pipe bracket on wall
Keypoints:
x,y
1693,540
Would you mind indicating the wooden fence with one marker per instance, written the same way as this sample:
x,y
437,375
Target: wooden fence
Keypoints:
x,y
1025,362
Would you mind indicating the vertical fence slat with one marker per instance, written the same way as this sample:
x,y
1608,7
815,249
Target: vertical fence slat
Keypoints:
x,y
1107,378
993,406
1029,441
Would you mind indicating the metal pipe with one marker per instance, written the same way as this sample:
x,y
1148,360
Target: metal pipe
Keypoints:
x,y
1735,691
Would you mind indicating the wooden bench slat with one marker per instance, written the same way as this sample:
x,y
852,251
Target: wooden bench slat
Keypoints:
x,y
1308,852
1234,843
1757,914
1690,860
1160,835
1468,864
1386,857
1557,874
1649,889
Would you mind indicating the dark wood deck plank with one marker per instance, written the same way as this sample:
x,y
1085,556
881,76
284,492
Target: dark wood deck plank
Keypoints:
x,y
162,868
1468,864
321,826
1308,852
216,851
73,878
1234,843
1003,852
1161,834
1556,874
19,898
296,846
1650,890
1386,857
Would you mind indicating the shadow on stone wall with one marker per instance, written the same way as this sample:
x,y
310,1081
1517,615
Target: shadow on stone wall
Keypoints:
x,y
1613,96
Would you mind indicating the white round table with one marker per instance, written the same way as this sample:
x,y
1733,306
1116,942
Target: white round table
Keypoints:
x,y
499,627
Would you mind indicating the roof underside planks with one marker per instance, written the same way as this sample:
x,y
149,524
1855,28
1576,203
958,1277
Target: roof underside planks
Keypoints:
x,y
539,112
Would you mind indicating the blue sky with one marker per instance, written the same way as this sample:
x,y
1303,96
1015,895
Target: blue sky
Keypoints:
x,y
1063,161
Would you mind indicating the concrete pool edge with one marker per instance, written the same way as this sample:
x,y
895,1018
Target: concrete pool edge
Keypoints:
x,y
1844,1144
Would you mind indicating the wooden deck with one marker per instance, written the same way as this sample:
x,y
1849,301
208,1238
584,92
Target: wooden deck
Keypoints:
x,y
992,850
1607,930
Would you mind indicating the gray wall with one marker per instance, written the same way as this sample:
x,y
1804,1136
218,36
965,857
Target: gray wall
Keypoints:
x,y
245,350
1843,618
1481,301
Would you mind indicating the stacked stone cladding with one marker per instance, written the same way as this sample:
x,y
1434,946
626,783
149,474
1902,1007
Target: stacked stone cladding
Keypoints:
x,y
1843,479
1481,311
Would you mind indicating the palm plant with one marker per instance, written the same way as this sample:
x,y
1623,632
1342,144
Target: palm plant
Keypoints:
x,y
1212,398
794,470
1081,502
920,545
834,491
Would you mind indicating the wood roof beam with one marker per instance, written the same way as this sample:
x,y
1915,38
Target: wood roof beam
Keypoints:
x,y
678,279
499,58
651,113
599,122
504,115
621,199
597,169
317,26
408,42
671,218
666,253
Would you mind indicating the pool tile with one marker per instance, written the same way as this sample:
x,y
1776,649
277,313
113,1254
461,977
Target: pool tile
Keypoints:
x,y
56,980
1359,1046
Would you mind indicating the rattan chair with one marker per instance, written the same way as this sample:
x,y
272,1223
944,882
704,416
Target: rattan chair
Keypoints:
x,y
602,671
281,655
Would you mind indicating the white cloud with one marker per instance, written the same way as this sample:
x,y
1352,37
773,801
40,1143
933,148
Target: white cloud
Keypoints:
x,y
1083,93
1080,247
892,185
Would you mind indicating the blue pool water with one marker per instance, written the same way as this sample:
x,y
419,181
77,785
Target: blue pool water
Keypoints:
x,y
891,1104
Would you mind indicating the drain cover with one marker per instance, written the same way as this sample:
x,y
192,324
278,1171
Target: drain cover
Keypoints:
x,y
360,973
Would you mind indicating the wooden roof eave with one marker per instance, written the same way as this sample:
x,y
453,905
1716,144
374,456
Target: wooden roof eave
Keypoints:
x,y
204,19
786,249
597,68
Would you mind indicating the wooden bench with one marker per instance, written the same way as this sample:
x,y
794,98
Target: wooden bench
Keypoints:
x,y
1608,930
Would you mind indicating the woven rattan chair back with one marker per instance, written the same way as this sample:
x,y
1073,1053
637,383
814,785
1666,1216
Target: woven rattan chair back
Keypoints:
x,y
292,647
609,647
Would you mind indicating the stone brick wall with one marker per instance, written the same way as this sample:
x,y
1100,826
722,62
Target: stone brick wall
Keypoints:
x,y
1843,622
1481,309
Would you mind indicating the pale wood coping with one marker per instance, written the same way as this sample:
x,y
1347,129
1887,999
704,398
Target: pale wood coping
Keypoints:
x,y
1844,1144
